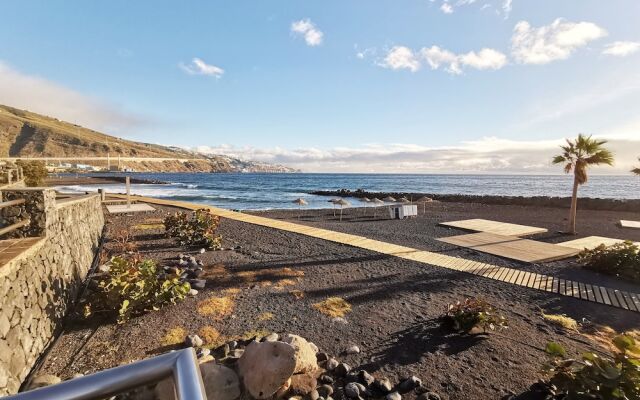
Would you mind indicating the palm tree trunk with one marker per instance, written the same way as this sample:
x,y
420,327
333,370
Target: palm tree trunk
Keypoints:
x,y
574,207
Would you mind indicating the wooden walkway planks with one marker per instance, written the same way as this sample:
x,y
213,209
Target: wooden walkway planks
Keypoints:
x,y
597,294
499,228
512,247
590,242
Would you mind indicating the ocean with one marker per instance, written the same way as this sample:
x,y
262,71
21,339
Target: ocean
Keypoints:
x,y
268,191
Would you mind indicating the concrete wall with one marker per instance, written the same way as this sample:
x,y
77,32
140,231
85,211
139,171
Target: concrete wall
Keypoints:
x,y
38,286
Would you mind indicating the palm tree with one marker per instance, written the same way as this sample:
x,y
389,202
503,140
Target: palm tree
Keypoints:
x,y
577,155
636,170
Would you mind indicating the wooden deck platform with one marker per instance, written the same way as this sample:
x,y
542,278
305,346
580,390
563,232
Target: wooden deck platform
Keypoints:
x,y
511,247
123,208
591,242
496,227
630,224
562,287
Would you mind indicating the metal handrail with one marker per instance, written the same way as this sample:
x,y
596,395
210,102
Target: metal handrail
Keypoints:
x,y
181,364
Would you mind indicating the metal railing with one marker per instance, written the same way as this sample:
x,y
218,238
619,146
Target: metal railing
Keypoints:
x,y
181,364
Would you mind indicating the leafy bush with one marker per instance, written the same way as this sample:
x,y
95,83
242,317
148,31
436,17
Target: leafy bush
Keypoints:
x,y
133,286
34,172
594,377
197,229
622,259
473,316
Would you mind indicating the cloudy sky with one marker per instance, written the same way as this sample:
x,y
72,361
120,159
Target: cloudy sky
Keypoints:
x,y
449,86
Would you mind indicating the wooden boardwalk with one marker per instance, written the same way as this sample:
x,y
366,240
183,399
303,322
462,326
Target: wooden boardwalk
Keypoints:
x,y
511,247
591,242
593,293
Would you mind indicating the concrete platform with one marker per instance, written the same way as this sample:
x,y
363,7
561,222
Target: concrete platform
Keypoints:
x,y
123,208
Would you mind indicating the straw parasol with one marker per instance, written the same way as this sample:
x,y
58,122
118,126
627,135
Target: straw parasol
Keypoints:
x,y
389,199
424,200
334,202
366,201
404,200
342,203
301,203
376,203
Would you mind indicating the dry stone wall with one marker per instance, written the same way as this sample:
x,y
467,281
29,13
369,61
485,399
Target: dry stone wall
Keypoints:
x,y
38,287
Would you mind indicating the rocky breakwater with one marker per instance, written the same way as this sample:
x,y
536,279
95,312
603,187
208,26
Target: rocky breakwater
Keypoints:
x,y
537,201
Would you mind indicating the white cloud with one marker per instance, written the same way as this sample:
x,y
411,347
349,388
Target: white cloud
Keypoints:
x,y
42,96
199,67
621,49
304,27
484,59
488,154
401,57
556,41
507,6
446,8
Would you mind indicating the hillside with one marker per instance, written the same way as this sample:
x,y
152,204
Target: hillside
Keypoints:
x,y
27,134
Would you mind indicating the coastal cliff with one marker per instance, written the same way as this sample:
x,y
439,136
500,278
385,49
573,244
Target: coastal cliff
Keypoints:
x,y
27,134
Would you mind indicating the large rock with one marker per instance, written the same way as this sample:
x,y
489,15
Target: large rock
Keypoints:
x,y
220,383
265,367
305,353
44,380
303,384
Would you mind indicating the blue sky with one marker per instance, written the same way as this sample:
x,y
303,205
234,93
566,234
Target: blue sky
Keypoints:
x,y
335,85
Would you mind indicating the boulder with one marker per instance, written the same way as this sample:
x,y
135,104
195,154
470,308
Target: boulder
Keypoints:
x,y
265,367
193,341
220,383
44,380
393,396
284,389
383,385
352,350
305,353
409,384
303,384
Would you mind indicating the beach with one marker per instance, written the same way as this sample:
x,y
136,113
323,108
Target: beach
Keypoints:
x,y
395,302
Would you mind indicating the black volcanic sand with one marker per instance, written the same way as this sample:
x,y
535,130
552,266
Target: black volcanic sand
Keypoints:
x,y
396,304
421,232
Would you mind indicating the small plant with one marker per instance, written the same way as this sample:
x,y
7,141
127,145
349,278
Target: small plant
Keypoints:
x,y
622,259
473,316
561,320
122,242
35,172
133,286
595,377
197,229
333,307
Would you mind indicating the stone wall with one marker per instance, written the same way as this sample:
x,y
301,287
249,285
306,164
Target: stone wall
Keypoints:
x,y
38,287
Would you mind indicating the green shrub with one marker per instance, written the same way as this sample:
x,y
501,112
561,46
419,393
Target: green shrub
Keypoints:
x,y
35,172
133,286
197,229
473,316
622,259
595,377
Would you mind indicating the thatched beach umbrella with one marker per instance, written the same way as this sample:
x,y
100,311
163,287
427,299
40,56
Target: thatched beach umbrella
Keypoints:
x,y
376,204
424,200
334,202
342,203
301,203
404,200
389,199
366,201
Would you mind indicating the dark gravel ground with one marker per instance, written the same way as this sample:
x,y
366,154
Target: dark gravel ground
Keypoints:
x,y
421,232
396,304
